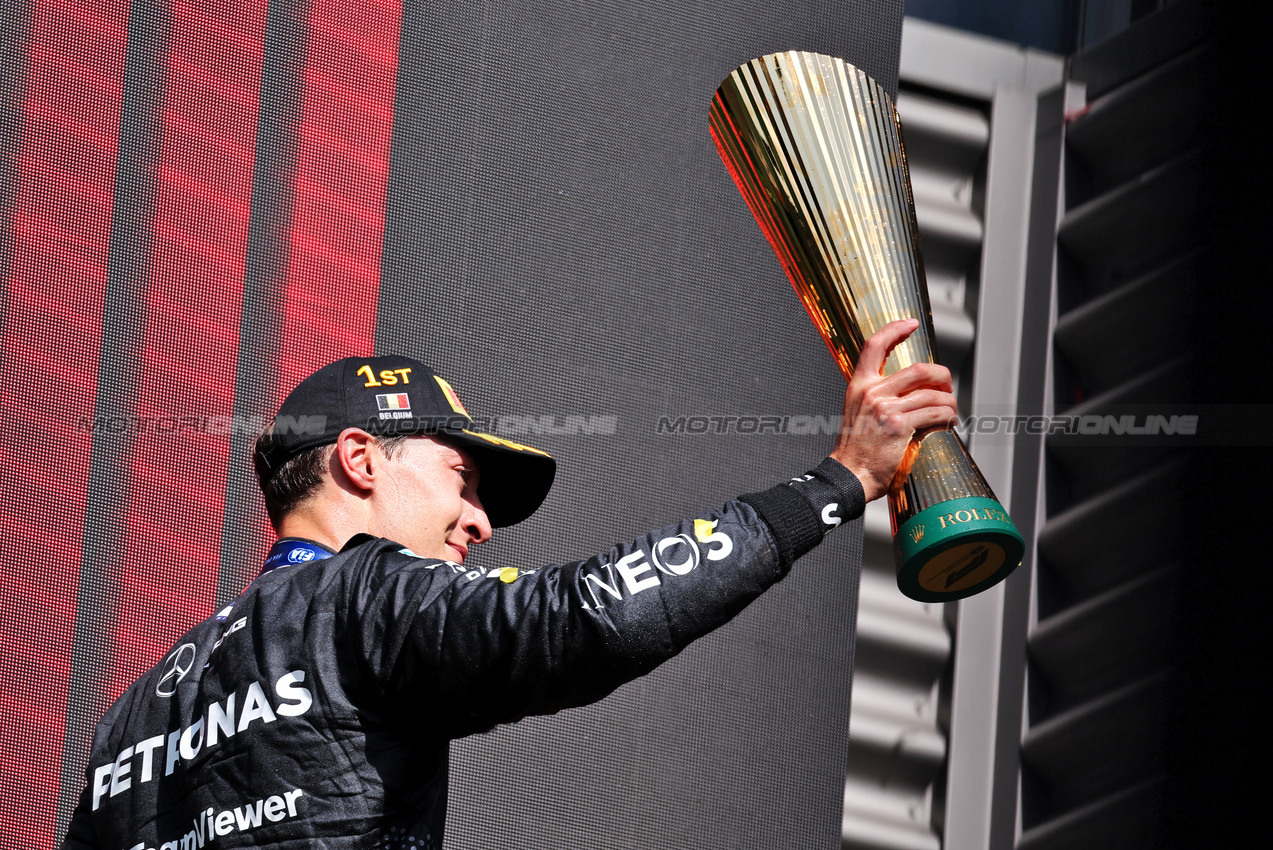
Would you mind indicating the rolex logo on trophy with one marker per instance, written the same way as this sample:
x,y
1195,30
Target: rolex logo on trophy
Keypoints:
x,y
814,146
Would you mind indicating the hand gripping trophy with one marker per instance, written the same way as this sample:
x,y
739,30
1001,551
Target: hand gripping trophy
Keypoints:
x,y
814,146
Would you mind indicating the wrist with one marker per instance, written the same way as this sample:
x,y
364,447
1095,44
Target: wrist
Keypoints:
x,y
871,490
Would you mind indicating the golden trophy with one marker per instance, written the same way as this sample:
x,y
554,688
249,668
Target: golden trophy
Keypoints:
x,y
814,146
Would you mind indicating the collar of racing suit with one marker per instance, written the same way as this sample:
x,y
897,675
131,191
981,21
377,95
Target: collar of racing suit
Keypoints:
x,y
294,550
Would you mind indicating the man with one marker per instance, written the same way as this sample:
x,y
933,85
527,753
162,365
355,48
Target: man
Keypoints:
x,y
316,709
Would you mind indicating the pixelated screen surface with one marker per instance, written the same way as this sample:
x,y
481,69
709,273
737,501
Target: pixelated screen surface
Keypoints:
x,y
201,203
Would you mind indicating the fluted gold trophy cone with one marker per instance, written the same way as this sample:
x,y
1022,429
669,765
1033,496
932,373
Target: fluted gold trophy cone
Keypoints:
x,y
814,146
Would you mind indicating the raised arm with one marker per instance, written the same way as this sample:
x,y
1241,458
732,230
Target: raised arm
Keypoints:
x,y
503,644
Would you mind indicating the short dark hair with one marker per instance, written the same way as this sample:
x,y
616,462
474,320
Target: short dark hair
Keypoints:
x,y
298,479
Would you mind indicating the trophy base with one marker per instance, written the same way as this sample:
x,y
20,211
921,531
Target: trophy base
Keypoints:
x,y
955,549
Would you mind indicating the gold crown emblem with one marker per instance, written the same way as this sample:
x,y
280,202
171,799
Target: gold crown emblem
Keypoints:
x,y
917,533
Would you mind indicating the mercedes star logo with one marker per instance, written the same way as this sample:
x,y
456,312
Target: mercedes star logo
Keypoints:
x,y
176,666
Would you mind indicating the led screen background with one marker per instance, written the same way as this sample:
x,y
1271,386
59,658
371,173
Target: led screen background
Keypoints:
x,y
203,202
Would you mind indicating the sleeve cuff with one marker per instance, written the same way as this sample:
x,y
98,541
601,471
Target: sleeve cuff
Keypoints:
x,y
848,489
790,517
800,512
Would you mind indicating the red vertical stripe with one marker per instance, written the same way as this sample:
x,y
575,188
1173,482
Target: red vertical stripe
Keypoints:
x,y
342,169
194,298
60,222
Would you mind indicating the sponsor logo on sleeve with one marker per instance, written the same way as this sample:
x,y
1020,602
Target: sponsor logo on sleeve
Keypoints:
x,y
507,575
670,557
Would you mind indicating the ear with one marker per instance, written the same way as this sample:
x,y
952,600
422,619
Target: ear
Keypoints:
x,y
357,457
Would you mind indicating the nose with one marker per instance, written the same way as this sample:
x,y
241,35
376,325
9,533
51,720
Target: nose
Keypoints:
x,y
475,521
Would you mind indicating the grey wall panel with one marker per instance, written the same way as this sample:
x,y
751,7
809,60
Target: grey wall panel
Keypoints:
x,y
562,240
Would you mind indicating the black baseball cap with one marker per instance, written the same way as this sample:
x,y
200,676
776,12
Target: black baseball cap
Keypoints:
x,y
394,396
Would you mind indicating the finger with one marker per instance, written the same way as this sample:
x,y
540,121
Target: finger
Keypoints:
x,y
917,400
925,409
917,376
880,344
931,417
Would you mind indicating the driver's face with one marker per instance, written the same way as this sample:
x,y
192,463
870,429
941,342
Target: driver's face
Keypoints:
x,y
430,501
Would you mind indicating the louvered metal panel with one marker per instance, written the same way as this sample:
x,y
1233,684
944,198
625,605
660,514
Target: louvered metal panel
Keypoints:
x,y
1090,336
1092,546
1133,228
1152,119
1092,758
1056,703
1127,820
1087,468
1089,649
897,745
946,147
1101,746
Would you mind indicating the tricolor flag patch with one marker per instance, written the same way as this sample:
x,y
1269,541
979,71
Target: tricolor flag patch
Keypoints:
x,y
451,397
393,401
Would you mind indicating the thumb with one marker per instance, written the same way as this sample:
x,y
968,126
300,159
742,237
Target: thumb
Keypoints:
x,y
880,345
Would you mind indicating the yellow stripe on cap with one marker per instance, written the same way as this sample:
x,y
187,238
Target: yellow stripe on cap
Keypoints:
x,y
500,441
451,397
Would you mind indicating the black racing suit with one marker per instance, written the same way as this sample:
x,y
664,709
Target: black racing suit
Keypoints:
x,y
316,710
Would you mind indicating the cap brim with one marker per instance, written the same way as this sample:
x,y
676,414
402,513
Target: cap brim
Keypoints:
x,y
515,479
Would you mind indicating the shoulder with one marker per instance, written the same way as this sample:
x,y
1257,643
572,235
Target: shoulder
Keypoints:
x,y
146,705
369,566
386,555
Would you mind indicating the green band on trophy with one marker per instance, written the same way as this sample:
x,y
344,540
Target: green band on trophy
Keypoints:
x,y
955,549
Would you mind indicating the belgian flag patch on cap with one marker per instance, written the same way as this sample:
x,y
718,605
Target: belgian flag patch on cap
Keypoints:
x,y
393,401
